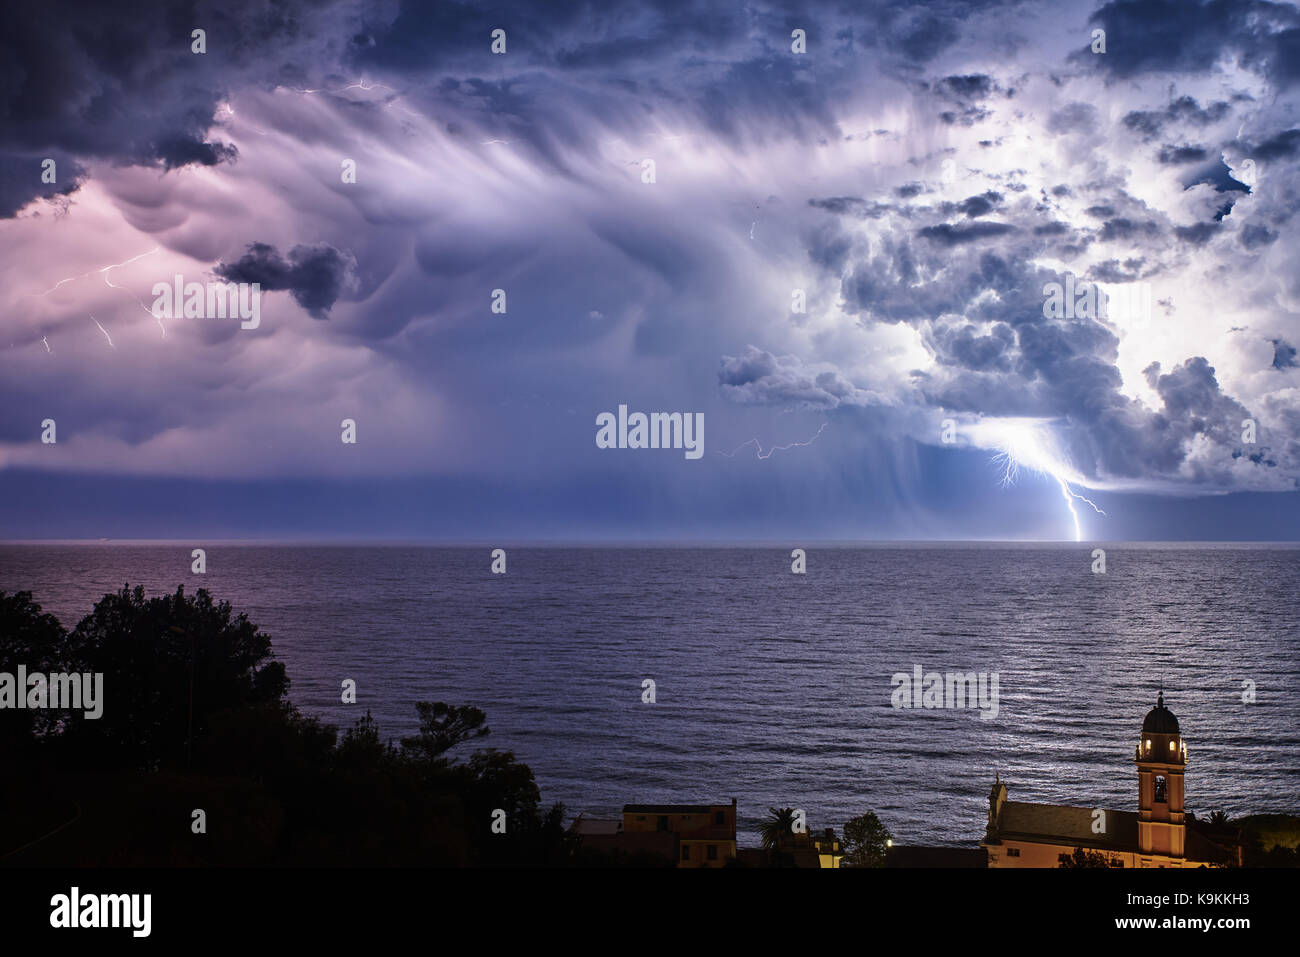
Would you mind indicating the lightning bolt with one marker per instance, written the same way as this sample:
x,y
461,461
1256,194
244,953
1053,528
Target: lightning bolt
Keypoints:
x,y
47,343
758,446
359,85
363,85
390,102
1070,495
104,331
112,285
105,271
1022,445
227,108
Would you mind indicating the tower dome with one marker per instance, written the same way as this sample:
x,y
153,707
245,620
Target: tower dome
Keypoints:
x,y
1160,719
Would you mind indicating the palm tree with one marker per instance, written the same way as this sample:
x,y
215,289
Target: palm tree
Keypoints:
x,y
778,826
1218,818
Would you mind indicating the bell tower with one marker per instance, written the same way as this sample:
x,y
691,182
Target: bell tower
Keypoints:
x,y
1161,758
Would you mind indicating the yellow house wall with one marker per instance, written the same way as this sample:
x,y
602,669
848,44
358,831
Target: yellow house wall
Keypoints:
x,y
1049,855
700,853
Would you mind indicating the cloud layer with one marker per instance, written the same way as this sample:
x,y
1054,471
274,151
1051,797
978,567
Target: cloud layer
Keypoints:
x,y
860,234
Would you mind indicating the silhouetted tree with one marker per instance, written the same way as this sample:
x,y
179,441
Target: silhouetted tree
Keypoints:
x,y
290,789
171,665
866,841
776,827
1082,858
35,640
442,727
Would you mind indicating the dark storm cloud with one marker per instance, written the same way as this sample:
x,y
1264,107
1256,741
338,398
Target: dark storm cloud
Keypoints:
x,y
927,36
1284,145
1193,400
972,86
947,234
20,179
1067,370
1176,155
964,346
759,377
729,65
1198,234
118,82
1283,355
1124,228
1254,236
314,275
182,151
980,205
1192,36
967,117
1185,109
851,206
644,61
1001,356
1115,271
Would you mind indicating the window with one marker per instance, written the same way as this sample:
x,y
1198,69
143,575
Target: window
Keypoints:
x,y
1160,789
1148,744
720,817
686,852
1171,746
713,852
1013,852
663,822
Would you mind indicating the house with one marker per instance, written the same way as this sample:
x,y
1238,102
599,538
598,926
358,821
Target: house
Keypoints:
x,y
705,833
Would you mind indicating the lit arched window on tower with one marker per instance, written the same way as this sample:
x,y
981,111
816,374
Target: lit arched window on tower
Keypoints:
x,y
1160,789
1171,746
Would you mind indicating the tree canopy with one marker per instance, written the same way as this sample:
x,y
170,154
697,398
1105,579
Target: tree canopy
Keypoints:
x,y
196,704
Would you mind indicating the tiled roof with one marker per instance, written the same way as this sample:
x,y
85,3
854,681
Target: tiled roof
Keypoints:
x,y
1062,824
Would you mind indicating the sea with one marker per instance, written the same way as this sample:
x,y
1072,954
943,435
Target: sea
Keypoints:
x,y
774,688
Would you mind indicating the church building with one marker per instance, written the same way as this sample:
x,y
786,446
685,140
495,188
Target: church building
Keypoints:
x,y
1161,833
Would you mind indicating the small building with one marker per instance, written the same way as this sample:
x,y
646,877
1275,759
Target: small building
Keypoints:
x,y
806,849
829,851
705,833
813,848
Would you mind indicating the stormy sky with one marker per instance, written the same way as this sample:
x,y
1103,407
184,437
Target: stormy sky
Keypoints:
x,y
838,254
